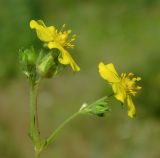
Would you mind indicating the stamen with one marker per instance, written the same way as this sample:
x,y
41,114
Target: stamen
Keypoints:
x,y
138,78
62,28
130,74
129,83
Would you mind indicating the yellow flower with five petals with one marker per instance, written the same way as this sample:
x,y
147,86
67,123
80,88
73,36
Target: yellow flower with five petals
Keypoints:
x,y
124,86
54,39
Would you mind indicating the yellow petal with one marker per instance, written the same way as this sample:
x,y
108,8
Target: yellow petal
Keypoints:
x,y
33,24
45,34
108,72
119,91
64,57
41,22
131,107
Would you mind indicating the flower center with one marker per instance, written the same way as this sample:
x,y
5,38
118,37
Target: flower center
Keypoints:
x,y
128,81
62,37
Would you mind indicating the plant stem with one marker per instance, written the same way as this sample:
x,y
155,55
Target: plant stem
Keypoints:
x,y
34,128
55,133
37,154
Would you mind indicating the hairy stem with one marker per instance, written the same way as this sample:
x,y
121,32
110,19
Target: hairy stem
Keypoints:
x,y
34,127
37,154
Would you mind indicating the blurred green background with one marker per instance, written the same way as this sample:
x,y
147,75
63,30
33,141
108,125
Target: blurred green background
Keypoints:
x,y
124,32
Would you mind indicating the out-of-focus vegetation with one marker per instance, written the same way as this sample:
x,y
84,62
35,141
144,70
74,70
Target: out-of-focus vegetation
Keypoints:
x,y
124,32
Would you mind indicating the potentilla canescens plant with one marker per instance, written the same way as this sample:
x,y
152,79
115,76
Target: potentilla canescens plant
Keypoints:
x,y
50,61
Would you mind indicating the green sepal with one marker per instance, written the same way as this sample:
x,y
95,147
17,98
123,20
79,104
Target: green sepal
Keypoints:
x,y
48,64
98,108
27,59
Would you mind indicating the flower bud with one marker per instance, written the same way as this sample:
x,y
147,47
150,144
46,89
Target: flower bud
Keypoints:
x,y
47,66
28,56
98,108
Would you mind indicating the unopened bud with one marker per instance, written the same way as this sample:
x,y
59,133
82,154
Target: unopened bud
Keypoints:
x,y
47,66
98,108
28,56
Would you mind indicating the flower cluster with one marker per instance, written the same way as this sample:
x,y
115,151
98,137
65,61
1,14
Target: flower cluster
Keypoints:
x,y
49,62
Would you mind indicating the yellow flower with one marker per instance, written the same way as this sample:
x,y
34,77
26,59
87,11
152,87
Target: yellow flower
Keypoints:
x,y
54,39
124,86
